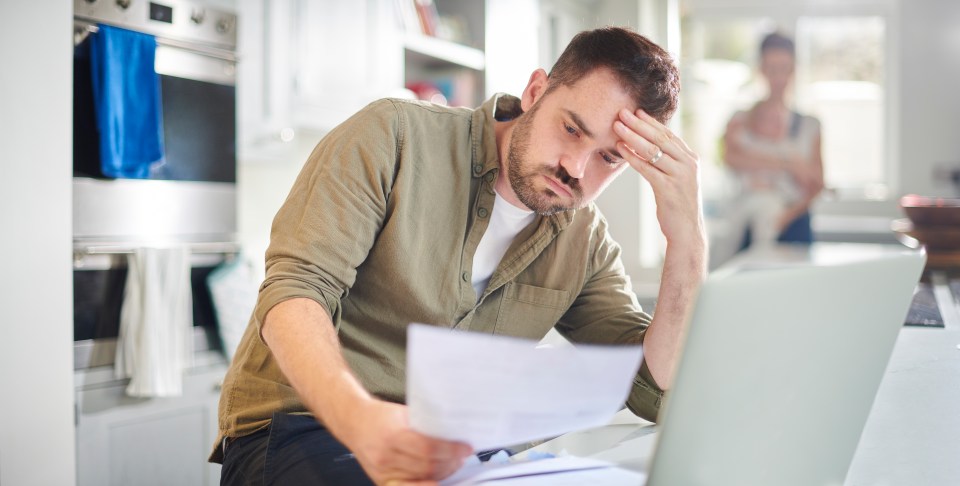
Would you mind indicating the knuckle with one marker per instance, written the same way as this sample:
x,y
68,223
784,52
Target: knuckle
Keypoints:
x,y
662,137
429,469
429,449
380,460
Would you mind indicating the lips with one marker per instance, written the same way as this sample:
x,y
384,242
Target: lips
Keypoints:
x,y
557,187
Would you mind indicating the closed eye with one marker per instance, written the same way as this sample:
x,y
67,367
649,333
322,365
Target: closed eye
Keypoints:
x,y
609,158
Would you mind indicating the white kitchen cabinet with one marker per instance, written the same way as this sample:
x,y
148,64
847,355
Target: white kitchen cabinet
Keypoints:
x,y
307,65
123,440
264,76
346,55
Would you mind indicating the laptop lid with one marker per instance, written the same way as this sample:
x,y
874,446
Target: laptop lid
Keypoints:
x,y
779,372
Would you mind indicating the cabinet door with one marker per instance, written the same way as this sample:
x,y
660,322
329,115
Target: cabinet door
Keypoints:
x,y
158,441
348,54
265,73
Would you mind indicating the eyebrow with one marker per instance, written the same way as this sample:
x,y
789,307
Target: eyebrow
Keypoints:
x,y
583,128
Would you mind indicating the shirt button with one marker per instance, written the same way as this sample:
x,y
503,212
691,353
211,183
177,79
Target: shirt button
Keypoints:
x,y
477,168
482,212
488,177
465,277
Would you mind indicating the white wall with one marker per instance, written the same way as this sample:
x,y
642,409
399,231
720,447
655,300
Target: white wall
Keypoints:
x,y
929,102
262,187
511,58
36,346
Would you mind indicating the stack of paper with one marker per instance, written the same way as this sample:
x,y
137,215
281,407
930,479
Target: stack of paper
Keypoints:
x,y
558,471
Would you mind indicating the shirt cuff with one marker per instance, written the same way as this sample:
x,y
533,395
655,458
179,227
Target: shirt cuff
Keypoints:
x,y
645,396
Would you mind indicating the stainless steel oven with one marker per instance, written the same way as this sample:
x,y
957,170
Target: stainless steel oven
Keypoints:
x,y
191,198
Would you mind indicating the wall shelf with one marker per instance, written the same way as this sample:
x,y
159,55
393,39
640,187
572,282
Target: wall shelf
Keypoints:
x,y
446,51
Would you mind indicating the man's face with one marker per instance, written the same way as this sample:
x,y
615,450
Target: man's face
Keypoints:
x,y
563,152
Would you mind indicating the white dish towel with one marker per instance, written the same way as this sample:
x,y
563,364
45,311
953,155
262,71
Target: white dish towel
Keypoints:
x,y
156,322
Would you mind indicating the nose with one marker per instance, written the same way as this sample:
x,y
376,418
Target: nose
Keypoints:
x,y
575,164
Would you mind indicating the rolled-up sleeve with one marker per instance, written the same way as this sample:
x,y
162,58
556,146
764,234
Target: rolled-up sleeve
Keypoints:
x,y
606,311
330,220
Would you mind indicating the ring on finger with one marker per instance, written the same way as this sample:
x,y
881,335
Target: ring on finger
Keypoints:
x,y
657,156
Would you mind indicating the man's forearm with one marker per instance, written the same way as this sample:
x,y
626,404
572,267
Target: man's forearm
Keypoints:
x,y
304,342
683,271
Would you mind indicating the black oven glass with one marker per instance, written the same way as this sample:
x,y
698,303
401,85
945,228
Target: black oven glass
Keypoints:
x,y
161,13
199,132
98,297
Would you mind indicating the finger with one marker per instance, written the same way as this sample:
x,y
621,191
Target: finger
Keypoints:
x,y
637,146
677,141
651,136
408,482
448,468
654,174
415,459
424,456
420,445
648,168
408,468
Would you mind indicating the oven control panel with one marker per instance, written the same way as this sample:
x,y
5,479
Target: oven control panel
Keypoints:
x,y
176,20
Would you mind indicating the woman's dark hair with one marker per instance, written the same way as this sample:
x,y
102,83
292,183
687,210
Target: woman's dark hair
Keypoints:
x,y
776,40
643,68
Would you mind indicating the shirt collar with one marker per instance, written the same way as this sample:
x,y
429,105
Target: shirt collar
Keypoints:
x,y
500,107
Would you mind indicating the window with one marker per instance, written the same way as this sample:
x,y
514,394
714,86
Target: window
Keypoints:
x,y
840,79
840,67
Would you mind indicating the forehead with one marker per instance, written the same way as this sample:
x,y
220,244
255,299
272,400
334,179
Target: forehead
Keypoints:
x,y
776,56
596,99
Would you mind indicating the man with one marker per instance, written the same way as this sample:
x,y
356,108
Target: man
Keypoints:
x,y
479,220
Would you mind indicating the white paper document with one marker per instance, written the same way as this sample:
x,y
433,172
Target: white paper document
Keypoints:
x,y
553,472
495,391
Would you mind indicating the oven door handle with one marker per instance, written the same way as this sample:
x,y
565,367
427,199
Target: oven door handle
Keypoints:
x,y
83,28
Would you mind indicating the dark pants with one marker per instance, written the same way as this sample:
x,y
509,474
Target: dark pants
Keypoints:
x,y
293,450
798,231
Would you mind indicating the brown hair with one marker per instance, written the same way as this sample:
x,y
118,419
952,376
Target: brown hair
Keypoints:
x,y
643,68
776,40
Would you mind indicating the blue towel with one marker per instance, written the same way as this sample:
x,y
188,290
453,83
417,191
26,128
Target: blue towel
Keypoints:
x,y
126,95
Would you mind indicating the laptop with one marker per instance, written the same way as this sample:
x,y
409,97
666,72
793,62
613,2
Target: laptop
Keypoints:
x,y
779,372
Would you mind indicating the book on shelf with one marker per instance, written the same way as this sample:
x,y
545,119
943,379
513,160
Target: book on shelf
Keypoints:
x,y
423,17
409,18
452,87
429,18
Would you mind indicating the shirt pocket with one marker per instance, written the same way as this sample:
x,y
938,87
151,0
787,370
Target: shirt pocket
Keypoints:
x,y
528,311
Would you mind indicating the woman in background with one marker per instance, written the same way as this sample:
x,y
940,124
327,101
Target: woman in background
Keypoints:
x,y
776,154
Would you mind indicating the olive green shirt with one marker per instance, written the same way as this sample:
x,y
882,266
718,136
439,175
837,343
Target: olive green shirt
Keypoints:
x,y
380,228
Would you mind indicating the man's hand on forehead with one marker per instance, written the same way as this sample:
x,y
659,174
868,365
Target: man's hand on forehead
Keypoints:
x,y
671,168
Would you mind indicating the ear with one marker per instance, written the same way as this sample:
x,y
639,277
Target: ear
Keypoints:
x,y
536,86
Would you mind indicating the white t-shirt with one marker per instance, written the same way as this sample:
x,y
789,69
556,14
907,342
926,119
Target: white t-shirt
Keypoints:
x,y
506,221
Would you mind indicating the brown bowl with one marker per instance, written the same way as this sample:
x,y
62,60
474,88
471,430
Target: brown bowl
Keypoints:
x,y
931,211
935,238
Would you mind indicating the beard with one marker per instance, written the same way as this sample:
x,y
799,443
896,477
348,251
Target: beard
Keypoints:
x,y
523,179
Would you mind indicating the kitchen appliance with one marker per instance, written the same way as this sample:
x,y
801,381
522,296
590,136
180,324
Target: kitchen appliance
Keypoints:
x,y
933,222
190,199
